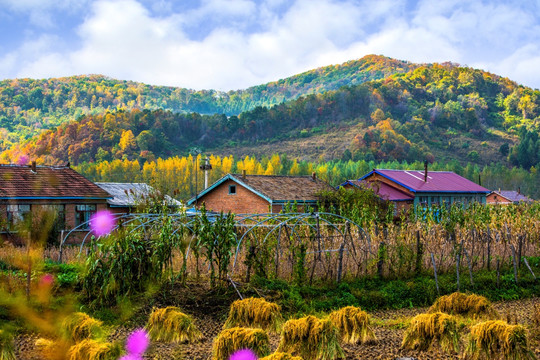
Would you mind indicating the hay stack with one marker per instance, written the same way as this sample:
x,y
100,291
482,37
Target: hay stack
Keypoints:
x,y
254,313
281,356
462,304
424,329
311,338
79,326
50,349
353,325
234,339
7,347
171,325
94,350
497,339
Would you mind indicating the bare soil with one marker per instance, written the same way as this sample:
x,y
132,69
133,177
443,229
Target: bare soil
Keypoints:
x,y
210,311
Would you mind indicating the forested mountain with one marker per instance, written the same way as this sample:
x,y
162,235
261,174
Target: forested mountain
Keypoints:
x,y
437,111
28,106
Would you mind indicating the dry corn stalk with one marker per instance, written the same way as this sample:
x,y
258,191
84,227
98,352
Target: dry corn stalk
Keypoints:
x,y
281,356
462,304
94,350
424,329
311,338
353,325
231,340
171,325
496,339
79,326
254,313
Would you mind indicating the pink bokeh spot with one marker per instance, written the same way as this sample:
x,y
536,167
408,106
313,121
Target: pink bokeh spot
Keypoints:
x,y
244,354
47,280
23,160
137,343
102,223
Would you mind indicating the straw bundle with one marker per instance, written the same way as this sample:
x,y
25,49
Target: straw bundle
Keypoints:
x,y
231,340
79,326
497,339
353,325
7,348
424,329
281,356
311,338
94,350
171,325
254,313
463,304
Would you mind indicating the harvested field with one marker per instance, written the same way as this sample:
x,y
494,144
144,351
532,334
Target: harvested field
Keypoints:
x,y
210,313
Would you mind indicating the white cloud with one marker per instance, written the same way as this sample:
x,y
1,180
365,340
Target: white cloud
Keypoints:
x,y
124,39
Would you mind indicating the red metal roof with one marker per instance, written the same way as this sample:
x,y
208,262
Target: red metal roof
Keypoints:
x,y
18,181
437,181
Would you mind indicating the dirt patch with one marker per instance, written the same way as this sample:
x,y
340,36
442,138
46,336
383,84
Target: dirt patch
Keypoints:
x,y
210,308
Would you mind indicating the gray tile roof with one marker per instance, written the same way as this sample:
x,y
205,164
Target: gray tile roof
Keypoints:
x,y
130,194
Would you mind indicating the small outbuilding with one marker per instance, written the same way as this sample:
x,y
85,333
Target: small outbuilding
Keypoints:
x,y
505,197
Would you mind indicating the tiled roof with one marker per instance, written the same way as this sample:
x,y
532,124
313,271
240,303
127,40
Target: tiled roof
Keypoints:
x,y
18,181
130,194
383,190
276,188
513,196
437,181
286,188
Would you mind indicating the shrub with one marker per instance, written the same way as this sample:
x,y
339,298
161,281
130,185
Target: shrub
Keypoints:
x,y
231,340
311,338
94,350
254,313
7,348
463,304
79,326
171,325
496,339
353,325
281,356
424,329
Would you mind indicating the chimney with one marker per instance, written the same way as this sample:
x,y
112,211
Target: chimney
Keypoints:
x,y
243,174
519,190
34,167
425,170
313,176
479,180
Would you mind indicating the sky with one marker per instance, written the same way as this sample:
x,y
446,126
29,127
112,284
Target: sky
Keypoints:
x,y
234,44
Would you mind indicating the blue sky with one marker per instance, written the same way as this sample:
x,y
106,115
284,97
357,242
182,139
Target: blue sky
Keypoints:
x,y
233,44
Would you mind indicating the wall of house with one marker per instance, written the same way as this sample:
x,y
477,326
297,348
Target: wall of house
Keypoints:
x,y
497,199
243,202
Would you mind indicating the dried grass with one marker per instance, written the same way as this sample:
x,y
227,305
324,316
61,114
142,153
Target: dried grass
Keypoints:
x,y
51,350
79,326
496,339
311,338
94,350
425,329
353,325
7,346
281,356
231,340
171,325
466,305
254,313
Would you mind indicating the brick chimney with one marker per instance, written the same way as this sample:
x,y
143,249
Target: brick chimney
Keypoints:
x,y
243,174
34,167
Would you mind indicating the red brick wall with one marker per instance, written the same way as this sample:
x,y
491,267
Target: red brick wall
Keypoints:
x,y
243,202
497,199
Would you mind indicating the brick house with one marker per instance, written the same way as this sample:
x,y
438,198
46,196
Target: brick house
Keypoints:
x,y
422,188
251,194
126,197
506,197
26,189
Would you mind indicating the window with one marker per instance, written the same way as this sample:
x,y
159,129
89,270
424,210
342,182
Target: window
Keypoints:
x,y
83,214
17,213
232,189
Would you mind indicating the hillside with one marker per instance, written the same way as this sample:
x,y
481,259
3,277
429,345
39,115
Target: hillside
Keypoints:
x,y
28,106
438,111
